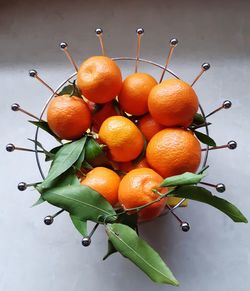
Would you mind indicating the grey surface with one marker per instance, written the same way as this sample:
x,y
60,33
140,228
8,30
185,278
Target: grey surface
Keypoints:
x,y
215,254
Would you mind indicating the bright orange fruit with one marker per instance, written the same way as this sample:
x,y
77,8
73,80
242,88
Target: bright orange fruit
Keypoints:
x,y
68,116
104,181
124,140
173,151
149,127
173,103
136,189
99,79
133,97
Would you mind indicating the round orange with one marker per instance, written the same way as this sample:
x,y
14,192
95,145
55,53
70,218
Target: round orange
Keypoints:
x,y
136,190
106,110
173,151
133,97
104,181
99,79
128,166
122,137
173,103
68,116
149,127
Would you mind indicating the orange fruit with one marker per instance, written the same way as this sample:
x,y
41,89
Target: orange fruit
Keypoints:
x,y
136,190
173,151
99,79
104,181
102,113
149,127
133,97
173,103
68,116
128,166
122,137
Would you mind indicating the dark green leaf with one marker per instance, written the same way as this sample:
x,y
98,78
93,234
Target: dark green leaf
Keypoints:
x,y
47,153
80,225
127,242
78,163
111,250
82,202
203,195
64,159
198,119
38,202
44,125
204,138
52,153
70,89
128,219
183,179
93,150
86,165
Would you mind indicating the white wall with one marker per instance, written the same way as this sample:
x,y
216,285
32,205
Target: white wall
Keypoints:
x,y
215,254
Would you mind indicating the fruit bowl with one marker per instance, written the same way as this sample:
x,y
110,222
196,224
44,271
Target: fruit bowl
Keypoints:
x,y
112,172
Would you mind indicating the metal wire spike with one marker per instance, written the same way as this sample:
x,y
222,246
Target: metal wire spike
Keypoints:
x,y
22,186
230,145
173,43
16,107
86,241
185,226
204,67
11,148
219,187
139,32
64,46
34,74
99,33
225,105
49,219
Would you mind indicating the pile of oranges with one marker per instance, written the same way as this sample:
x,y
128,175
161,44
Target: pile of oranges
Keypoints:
x,y
143,126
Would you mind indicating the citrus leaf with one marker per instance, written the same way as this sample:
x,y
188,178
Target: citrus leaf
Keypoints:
x,y
81,202
198,119
70,89
183,179
86,165
111,250
93,150
52,153
80,225
127,242
78,163
47,153
128,219
38,202
64,159
204,138
65,179
44,126
203,195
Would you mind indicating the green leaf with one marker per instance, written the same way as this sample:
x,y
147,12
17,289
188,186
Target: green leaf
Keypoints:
x,y
64,159
127,242
78,163
111,250
82,202
80,225
204,138
203,195
66,179
44,125
128,219
38,202
183,179
93,150
86,165
70,89
47,153
198,119
52,153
